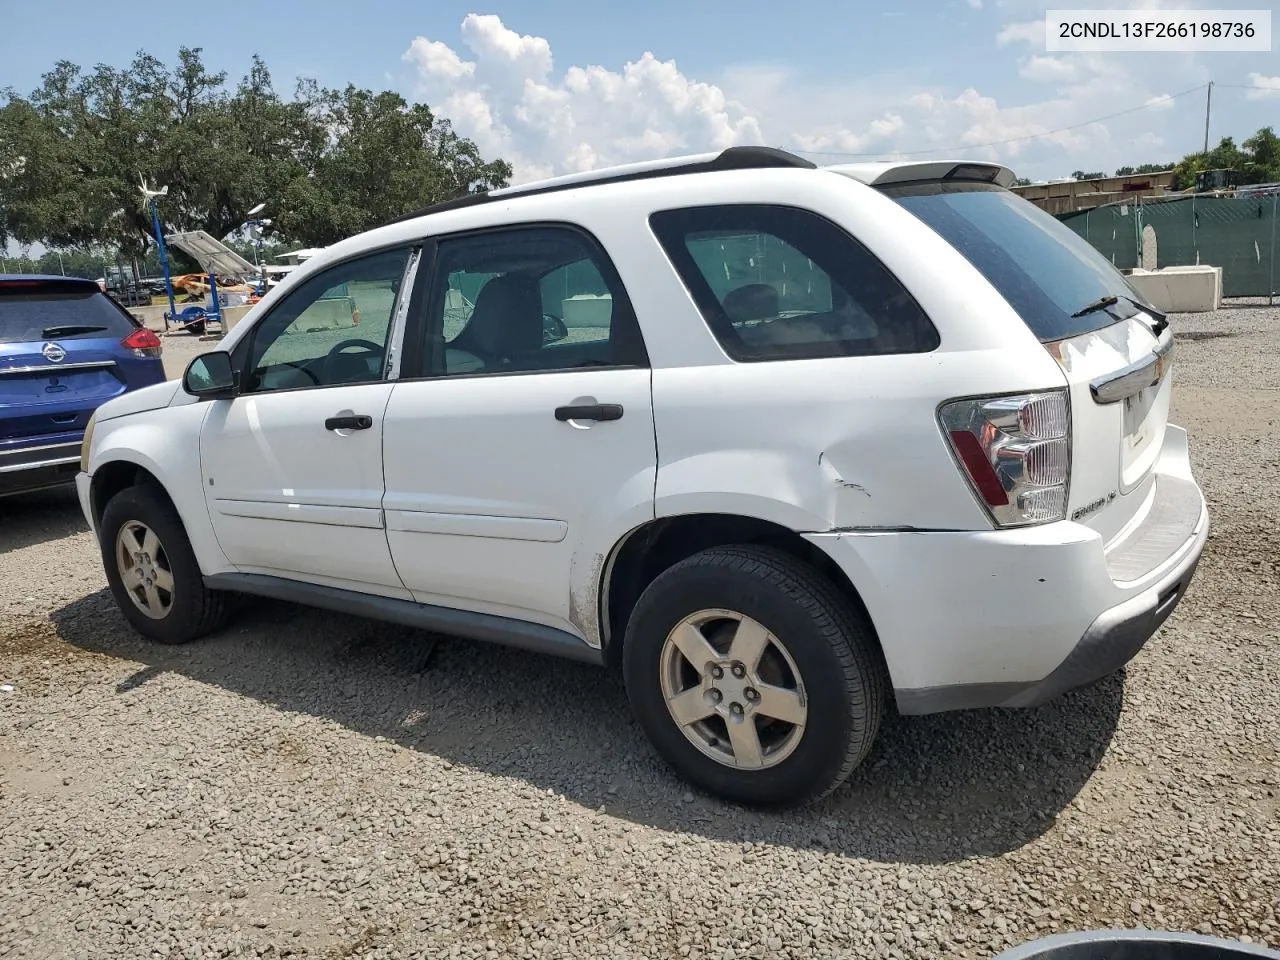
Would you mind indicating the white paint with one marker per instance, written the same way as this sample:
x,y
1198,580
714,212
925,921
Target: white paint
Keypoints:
x,y
490,498
467,492
288,496
1002,606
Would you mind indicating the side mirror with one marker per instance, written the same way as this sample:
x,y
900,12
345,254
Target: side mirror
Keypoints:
x,y
210,376
553,329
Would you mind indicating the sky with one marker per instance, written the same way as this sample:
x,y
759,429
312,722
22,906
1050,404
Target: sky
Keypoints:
x,y
558,86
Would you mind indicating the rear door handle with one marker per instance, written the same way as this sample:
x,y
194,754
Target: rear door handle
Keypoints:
x,y
590,411
357,422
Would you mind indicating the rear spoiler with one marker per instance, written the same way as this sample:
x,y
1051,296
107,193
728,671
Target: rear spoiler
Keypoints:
x,y
908,171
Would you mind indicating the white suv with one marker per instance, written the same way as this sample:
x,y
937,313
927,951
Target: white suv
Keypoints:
x,y
775,441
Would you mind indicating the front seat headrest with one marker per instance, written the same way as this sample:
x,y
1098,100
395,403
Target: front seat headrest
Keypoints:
x,y
506,319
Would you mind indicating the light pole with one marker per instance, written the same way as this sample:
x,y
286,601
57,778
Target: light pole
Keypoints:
x,y
255,226
150,196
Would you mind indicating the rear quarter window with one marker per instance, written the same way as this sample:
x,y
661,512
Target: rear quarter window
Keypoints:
x,y
781,283
30,314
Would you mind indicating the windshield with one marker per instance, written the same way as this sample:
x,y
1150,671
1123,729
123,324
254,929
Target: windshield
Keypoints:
x,y
1042,268
62,315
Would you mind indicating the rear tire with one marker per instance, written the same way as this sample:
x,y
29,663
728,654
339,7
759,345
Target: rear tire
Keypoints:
x,y
786,696
152,570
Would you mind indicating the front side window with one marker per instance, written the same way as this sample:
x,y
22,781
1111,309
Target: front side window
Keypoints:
x,y
528,299
331,330
781,283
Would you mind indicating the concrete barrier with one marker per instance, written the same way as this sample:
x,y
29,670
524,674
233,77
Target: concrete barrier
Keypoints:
x,y
231,316
1180,289
587,310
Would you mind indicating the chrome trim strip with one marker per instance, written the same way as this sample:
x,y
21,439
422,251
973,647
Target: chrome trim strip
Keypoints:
x,y
14,468
65,445
55,368
1135,378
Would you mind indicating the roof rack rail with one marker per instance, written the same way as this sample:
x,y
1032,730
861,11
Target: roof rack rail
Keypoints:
x,y
731,158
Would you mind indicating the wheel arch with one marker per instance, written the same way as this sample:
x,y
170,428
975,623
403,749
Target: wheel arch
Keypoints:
x,y
160,447
649,549
115,476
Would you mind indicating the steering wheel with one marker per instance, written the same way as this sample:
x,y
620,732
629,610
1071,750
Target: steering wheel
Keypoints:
x,y
301,369
330,360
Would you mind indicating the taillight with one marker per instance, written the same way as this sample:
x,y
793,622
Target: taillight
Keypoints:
x,y
143,343
1016,452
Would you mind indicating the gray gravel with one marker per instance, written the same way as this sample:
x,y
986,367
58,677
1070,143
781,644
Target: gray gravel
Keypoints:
x,y
307,784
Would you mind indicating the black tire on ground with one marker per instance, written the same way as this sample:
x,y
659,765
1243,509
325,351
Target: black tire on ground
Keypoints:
x,y
829,640
195,610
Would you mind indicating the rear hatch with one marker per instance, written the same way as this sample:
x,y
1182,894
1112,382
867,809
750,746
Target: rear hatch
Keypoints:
x,y
59,350
1114,350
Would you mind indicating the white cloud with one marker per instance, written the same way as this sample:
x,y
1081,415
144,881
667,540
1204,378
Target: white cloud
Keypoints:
x,y
503,89
1032,32
524,56
1049,69
1162,102
437,59
509,101
877,133
1264,87
975,4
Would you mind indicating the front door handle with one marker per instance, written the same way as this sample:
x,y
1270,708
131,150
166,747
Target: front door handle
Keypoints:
x,y
356,422
590,411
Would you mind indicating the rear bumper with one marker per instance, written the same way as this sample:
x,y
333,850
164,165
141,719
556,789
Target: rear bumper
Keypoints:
x,y
38,466
1014,618
1114,638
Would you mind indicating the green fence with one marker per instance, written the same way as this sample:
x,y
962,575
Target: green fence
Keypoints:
x,y
1237,234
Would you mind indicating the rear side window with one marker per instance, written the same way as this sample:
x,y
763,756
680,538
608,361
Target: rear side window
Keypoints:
x,y
29,313
1045,270
781,283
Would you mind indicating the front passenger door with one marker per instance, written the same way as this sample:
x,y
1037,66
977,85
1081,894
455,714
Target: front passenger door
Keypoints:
x,y
293,463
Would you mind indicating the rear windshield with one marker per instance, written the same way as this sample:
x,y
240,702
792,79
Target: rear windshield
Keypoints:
x,y
28,315
1043,269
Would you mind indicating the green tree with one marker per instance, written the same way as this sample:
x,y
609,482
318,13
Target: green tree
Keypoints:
x,y
381,157
1256,160
1262,152
1081,175
73,154
1144,168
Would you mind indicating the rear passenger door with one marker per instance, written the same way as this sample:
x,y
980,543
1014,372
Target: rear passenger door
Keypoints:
x,y
519,441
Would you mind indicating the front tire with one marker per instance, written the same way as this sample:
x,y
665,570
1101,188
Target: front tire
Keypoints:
x,y
753,677
152,570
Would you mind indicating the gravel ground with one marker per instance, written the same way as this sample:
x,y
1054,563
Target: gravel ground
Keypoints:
x,y
307,784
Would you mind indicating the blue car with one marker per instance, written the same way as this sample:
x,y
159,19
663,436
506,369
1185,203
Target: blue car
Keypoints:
x,y
65,349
